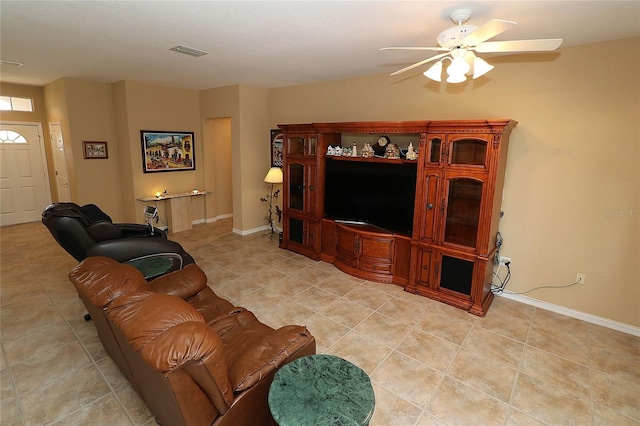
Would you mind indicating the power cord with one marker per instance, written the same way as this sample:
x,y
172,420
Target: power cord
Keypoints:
x,y
544,286
497,289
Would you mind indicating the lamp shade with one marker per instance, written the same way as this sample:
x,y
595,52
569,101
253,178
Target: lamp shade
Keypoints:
x,y
457,78
435,72
480,67
274,175
458,67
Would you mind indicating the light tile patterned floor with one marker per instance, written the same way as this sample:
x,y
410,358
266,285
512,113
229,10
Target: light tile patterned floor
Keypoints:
x,y
430,364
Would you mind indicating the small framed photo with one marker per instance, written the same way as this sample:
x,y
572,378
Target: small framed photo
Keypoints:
x,y
94,150
167,151
277,143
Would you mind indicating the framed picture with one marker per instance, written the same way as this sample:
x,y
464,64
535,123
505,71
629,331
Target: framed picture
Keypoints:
x,y
277,143
167,151
93,150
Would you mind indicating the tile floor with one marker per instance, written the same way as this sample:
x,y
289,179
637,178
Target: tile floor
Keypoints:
x,y
430,364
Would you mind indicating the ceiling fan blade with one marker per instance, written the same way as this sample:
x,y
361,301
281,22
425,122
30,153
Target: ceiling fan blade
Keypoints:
x,y
436,49
417,64
541,45
486,31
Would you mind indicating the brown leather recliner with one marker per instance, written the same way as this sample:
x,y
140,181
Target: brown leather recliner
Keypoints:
x,y
193,357
99,280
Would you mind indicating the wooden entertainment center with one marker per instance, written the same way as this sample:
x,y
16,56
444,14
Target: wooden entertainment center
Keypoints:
x,y
442,242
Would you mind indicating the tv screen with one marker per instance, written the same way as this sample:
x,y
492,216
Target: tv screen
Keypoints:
x,y
380,194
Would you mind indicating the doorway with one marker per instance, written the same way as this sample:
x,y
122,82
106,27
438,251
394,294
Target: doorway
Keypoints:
x,y
218,168
24,189
59,162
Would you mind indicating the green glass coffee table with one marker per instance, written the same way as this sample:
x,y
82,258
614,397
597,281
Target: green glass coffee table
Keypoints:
x,y
154,265
321,390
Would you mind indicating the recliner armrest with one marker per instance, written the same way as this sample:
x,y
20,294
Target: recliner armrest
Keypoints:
x,y
124,249
184,283
268,354
138,230
103,230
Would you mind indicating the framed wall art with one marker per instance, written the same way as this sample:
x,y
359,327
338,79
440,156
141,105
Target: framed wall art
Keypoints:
x,y
277,143
167,151
94,150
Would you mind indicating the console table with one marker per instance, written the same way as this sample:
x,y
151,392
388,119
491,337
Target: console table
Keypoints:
x,y
179,216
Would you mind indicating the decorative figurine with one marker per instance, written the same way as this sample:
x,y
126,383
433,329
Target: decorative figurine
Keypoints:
x,y
331,150
339,150
367,151
346,151
411,153
392,151
354,150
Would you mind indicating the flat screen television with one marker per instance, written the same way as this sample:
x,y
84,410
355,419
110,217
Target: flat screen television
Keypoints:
x,y
376,193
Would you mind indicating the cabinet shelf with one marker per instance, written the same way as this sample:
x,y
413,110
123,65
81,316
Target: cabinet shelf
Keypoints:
x,y
369,160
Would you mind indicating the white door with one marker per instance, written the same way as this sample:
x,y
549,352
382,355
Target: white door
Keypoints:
x,y
24,191
60,162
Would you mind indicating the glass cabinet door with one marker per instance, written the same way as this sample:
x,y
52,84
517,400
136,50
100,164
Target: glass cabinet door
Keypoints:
x,y
313,144
296,186
463,211
468,151
434,147
295,145
302,145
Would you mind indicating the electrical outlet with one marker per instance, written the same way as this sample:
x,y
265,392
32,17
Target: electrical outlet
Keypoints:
x,y
581,278
504,260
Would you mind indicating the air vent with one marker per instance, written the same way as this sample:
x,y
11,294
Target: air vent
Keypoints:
x,y
189,51
5,62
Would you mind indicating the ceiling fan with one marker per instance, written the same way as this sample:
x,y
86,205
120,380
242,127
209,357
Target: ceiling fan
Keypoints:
x,y
458,44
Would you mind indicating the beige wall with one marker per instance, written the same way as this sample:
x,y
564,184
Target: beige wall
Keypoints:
x,y
246,107
85,111
151,107
255,155
573,159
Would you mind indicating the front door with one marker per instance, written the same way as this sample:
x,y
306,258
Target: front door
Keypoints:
x,y
24,192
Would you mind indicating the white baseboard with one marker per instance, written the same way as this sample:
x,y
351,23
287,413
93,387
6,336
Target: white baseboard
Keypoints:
x,y
219,217
250,231
573,313
255,230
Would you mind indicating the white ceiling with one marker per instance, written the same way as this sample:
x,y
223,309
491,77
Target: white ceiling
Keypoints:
x,y
266,43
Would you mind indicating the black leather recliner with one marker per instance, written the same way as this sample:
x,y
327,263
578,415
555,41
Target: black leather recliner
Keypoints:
x,y
88,231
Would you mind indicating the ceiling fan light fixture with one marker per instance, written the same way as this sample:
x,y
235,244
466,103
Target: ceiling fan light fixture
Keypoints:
x,y
480,67
456,78
460,42
435,72
469,57
458,67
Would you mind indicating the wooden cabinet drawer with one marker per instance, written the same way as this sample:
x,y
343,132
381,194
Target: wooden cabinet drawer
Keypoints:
x,y
386,268
376,248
